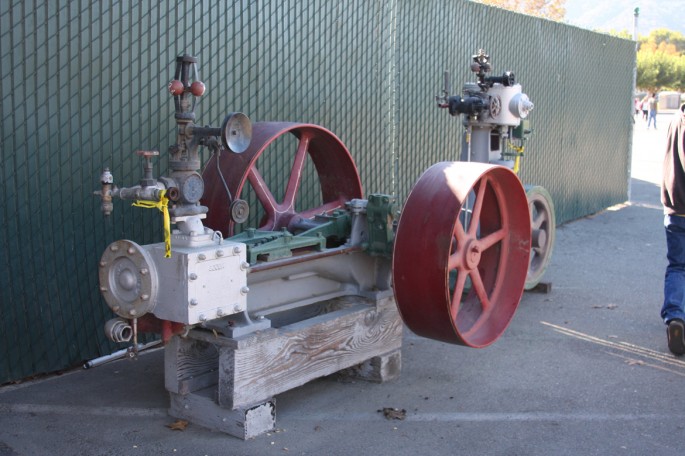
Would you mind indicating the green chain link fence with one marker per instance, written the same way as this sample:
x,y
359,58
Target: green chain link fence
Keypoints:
x,y
83,85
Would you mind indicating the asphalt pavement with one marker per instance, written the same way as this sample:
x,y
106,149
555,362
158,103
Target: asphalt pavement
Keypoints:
x,y
582,370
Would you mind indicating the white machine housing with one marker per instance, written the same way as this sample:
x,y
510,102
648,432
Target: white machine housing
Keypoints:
x,y
196,284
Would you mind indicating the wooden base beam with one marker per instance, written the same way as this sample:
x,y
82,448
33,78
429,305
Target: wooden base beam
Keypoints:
x,y
227,384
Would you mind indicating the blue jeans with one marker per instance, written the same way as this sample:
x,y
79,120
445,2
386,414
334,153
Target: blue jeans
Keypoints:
x,y
674,282
652,116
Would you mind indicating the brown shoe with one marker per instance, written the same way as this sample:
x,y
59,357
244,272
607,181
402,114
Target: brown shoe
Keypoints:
x,y
676,336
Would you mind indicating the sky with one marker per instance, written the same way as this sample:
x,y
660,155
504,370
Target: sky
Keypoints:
x,y
618,15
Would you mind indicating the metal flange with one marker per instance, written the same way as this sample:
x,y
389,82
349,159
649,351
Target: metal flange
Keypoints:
x,y
128,279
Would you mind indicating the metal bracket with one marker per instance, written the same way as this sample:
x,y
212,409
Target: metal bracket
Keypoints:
x,y
238,325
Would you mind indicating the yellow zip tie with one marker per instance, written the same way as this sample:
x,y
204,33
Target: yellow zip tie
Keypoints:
x,y
163,206
519,154
517,164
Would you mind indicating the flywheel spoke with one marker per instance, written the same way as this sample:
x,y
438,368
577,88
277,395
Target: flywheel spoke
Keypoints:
x,y
454,261
478,206
479,288
492,239
457,294
264,195
459,233
296,173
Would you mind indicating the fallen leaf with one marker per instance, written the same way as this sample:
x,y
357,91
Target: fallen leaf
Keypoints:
x,y
178,425
391,413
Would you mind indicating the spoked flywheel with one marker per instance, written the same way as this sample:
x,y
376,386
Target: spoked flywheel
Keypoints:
x,y
543,232
461,253
302,155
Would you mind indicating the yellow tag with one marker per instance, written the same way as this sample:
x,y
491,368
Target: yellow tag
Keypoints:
x,y
519,154
163,206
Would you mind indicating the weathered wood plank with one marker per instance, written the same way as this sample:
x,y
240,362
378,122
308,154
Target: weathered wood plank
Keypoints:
x,y
190,365
292,355
200,408
379,369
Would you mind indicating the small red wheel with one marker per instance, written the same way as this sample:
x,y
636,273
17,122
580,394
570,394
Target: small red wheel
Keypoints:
x,y
461,253
331,182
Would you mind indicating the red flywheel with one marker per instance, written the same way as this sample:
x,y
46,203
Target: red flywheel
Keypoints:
x,y
461,253
309,150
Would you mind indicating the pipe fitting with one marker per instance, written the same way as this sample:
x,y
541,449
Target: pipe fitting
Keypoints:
x,y
118,330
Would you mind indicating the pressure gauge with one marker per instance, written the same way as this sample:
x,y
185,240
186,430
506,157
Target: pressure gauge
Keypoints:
x,y
236,132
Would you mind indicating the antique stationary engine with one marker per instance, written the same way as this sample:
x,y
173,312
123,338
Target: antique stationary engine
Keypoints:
x,y
494,110
299,264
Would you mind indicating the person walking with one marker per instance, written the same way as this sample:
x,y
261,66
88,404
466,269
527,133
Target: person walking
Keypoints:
x,y
637,106
673,199
652,110
644,107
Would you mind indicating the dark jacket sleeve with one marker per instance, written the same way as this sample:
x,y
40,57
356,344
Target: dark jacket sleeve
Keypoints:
x,y
673,183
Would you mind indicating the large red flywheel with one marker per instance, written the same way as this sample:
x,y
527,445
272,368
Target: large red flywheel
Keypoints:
x,y
461,253
227,176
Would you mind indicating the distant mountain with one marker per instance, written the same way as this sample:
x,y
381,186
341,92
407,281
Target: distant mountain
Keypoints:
x,y
618,15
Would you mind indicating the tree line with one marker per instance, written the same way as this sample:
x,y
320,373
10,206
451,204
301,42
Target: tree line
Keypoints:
x,y
661,61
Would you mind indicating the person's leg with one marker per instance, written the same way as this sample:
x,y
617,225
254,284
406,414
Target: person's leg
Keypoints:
x,y
674,281
673,309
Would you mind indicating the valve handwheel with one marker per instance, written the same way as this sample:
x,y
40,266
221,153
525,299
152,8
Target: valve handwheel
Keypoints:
x,y
461,253
338,180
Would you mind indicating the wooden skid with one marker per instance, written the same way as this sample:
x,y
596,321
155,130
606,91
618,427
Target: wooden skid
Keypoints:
x,y
210,377
201,408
